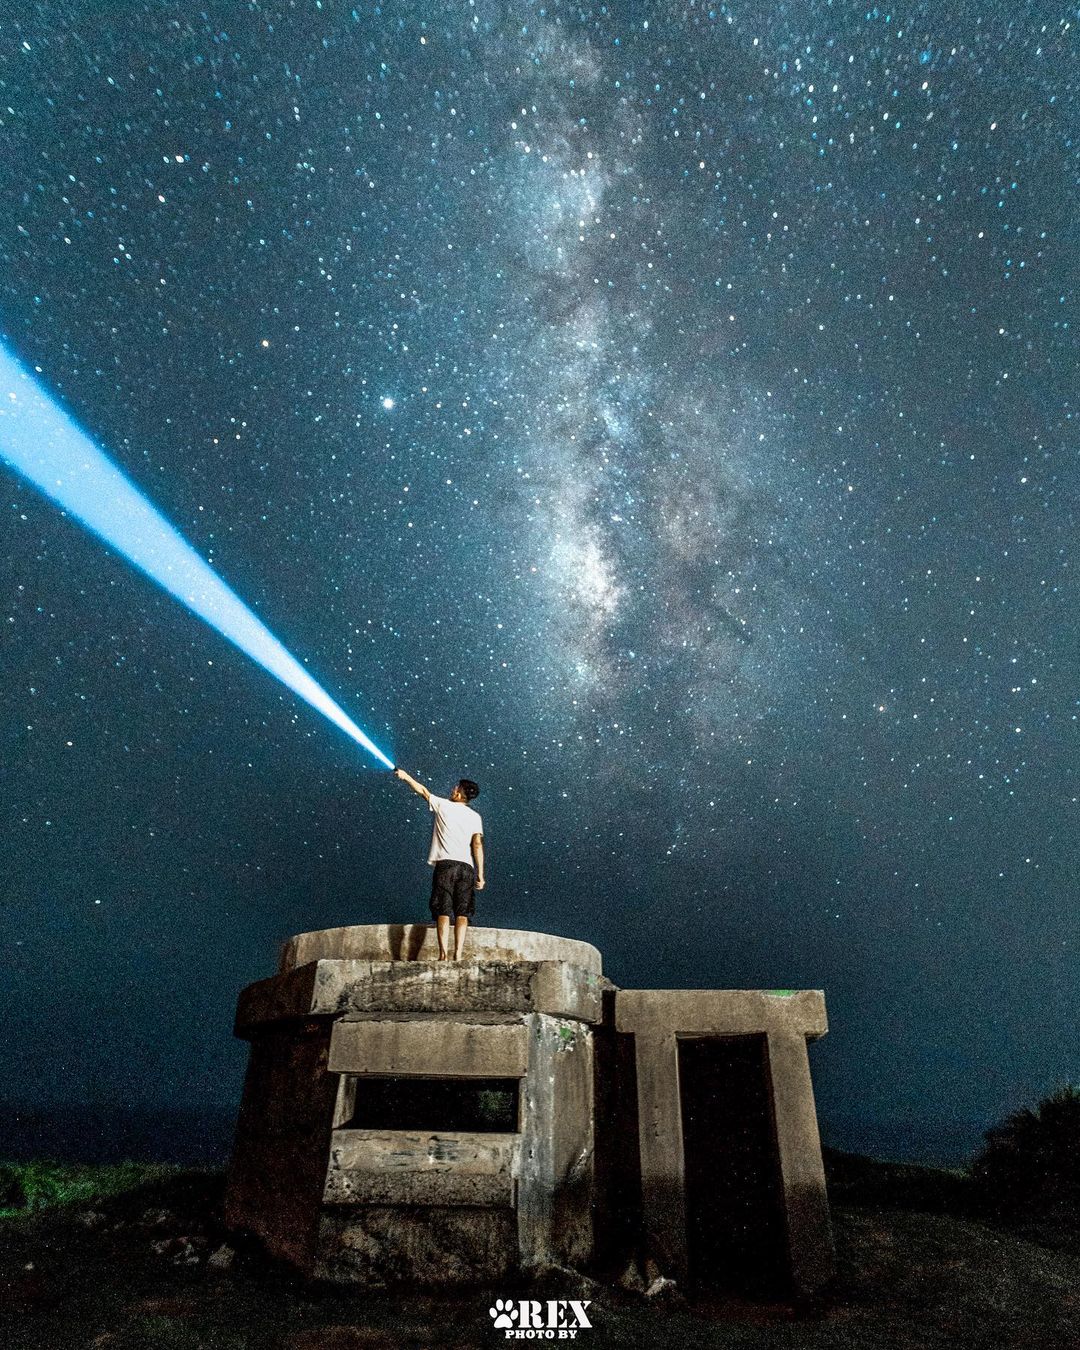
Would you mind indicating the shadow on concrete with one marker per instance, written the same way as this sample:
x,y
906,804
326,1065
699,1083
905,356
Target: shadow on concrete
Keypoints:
x,y
406,940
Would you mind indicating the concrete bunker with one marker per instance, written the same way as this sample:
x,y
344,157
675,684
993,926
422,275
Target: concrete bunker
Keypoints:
x,y
458,1122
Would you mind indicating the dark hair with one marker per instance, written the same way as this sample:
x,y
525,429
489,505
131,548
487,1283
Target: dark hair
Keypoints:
x,y
469,788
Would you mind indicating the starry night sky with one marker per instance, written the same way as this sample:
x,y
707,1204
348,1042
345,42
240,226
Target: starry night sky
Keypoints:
x,y
663,414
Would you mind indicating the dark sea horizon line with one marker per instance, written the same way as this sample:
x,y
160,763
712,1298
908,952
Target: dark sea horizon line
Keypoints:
x,y
202,1135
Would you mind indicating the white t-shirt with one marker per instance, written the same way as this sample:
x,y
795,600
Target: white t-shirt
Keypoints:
x,y
455,825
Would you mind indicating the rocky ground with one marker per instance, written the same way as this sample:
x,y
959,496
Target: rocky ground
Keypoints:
x,y
149,1266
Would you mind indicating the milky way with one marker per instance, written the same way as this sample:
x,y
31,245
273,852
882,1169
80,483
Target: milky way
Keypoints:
x,y
664,415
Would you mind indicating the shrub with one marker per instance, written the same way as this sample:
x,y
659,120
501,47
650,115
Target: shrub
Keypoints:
x,y
12,1194
1030,1164
43,1184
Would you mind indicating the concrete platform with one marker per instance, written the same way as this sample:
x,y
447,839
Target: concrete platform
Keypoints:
x,y
417,942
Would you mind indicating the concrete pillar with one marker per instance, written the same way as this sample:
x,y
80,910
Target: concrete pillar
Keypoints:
x,y
802,1174
660,1135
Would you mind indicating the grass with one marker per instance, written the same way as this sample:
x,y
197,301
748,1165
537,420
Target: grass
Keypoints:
x,y
45,1184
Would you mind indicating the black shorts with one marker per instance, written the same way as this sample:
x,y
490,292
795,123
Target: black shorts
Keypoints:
x,y
453,890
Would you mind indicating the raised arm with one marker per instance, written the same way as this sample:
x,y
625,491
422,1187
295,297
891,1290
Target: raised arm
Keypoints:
x,y
418,788
478,859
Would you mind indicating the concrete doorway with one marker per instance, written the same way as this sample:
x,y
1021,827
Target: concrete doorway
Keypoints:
x,y
735,1228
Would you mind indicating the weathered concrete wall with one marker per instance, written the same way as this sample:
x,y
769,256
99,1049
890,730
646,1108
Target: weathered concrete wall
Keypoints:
x,y
802,1170
398,1167
430,1048
278,1169
660,1149
393,1244
573,1161
332,988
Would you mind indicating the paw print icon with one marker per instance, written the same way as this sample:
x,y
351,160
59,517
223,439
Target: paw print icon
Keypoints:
x,y
504,1312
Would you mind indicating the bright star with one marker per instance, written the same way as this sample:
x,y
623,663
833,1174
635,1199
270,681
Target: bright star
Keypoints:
x,y
388,403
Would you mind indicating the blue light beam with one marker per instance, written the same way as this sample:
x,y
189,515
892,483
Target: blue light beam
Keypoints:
x,y
45,445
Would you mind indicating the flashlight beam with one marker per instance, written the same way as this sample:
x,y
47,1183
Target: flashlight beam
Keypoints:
x,y
43,443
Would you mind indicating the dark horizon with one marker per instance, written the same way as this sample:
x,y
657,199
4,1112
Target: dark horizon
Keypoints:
x,y
202,1136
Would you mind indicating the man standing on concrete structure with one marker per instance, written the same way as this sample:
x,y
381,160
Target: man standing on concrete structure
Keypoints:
x,y
457,855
